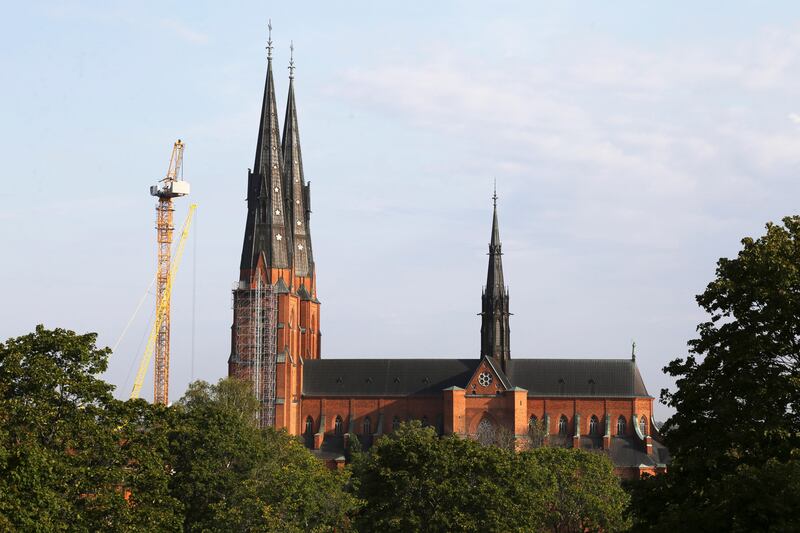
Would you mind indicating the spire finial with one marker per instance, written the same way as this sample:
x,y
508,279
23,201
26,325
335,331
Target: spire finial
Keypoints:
x,y
494,196
291,60
633,350
269,40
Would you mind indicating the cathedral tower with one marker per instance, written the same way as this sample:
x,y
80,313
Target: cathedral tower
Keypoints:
x,y
275,310
495,334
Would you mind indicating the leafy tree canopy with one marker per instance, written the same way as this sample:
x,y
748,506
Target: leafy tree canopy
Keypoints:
x,y
231,476
735,434
413,480
70,454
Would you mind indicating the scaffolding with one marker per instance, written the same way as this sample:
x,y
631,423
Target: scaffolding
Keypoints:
x,y
255,328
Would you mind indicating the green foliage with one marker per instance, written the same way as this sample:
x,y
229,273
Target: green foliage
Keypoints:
x,y
581,492
537,431
68,449
735,435
72,458
231,476
413,480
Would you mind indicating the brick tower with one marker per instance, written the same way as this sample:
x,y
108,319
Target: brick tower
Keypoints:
x,y
275,309
495,332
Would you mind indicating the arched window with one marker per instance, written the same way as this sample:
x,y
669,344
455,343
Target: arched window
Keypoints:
x,y
594,425
643,425
309,425
532,421
562,425
367,426
424,421
395,423
485,433
621,425
337,425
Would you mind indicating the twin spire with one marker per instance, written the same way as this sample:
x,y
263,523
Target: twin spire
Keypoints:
x,y
277,195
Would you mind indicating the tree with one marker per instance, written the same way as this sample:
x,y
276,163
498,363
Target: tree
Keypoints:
x,y
232,476
537,431
581,493
69,452
735,436
413,480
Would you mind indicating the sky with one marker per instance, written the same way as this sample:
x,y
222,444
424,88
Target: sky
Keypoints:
x,y
633,144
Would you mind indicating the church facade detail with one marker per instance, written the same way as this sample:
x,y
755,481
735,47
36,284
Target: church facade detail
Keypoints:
x,y
599,404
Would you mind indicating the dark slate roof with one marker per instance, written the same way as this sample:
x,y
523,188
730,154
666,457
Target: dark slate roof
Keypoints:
x,y
384,377
618,378
577,377
629,452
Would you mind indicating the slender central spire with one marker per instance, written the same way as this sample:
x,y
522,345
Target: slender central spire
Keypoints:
x,y
495,331
494,277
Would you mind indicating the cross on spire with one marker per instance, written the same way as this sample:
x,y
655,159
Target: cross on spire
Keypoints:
x,y
494,196
269,40
291,60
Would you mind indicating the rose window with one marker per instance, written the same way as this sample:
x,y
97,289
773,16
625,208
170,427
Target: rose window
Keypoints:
x,y
485,379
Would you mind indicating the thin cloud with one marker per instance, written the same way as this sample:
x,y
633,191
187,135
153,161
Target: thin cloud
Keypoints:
x,y
183,31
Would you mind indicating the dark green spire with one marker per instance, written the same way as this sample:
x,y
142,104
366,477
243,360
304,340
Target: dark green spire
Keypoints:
x,y
495,331
297,208
265,230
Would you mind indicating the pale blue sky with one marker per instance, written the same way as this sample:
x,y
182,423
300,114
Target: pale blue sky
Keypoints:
x,y
633,145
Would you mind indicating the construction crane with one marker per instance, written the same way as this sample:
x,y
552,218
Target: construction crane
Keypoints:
x,y
162,307
172,186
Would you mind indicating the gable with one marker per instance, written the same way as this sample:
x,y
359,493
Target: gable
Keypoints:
x,y
487,379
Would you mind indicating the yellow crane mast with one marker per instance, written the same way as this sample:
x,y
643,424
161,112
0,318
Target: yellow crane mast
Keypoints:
x,y
172,186
162,305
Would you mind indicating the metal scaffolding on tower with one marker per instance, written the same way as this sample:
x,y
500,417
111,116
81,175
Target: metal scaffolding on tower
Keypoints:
x,y
255,314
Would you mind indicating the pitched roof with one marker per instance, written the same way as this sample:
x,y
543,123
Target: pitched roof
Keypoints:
x,y
403,377
384,377
577,377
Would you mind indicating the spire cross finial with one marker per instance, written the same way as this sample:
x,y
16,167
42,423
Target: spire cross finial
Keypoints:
x,y
269,40
291,60
633,350
494,196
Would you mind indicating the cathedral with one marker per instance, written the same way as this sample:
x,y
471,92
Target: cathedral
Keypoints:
x,y
597,404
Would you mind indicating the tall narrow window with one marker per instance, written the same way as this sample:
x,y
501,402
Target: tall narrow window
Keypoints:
x,y
367,426
621,425
309,425
395,423
594,425
337,425
643,425
562,425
